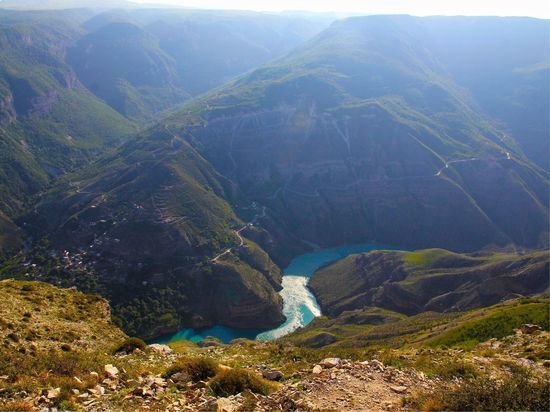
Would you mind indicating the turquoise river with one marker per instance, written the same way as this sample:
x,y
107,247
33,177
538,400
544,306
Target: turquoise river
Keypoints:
x,y
299,304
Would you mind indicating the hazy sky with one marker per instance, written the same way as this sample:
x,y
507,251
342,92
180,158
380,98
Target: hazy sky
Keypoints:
x,y
535,8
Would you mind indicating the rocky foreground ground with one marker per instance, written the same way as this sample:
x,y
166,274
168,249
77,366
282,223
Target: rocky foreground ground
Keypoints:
x,y
60,351
330,384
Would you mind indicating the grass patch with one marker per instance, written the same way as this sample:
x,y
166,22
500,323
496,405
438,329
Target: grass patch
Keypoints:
x,y
497,325
130,345
234,381
521,391
197,369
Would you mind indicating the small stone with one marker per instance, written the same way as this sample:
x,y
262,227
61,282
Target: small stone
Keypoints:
x,y
330,362
94,374
99,390
225,405
111,371
272,375
317,369
53,393
398,389
223,367
529,328
180,377
377,365
164,349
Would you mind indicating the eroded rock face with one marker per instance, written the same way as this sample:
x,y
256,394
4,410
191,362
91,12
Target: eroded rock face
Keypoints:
x,y
345,178
236,294
438,280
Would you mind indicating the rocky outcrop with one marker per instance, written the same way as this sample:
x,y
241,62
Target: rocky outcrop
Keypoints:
x,y
7,110
235,294
429,280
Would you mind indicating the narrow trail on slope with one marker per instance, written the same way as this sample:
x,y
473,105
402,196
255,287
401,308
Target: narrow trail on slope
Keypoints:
x,y
238,233
471,159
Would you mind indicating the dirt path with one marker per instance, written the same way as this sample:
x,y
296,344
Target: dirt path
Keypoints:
x,y
238,233
351,386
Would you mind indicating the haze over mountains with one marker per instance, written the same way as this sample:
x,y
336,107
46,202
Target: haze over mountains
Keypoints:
x,y
173,161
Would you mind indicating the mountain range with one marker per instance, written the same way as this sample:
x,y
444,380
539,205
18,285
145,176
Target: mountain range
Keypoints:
x,y
173,161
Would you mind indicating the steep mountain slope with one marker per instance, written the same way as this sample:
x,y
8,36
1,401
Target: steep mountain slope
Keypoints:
x,y
142,62
143,224
509,83
54,65
49,123
427,280
10,237
124,65
363,134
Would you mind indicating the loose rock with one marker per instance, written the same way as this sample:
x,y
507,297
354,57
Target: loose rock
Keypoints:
x,y
111,371
398,389
272,375
225,405
330,362
164,349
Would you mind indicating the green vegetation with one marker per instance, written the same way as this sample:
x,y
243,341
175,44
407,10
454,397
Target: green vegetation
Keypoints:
x,y
429,329
196,369
519,392
130,345
234,381
427,280
495,325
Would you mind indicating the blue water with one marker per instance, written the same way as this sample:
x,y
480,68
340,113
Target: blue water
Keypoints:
x,y
299,305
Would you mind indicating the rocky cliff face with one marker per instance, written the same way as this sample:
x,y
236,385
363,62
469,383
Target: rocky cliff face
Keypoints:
x,y
428,280
365,175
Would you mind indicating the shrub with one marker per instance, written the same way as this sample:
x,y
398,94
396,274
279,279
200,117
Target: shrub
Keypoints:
x,y
459,369
17,406
519,392
68,363
130,344
197,369
234,381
